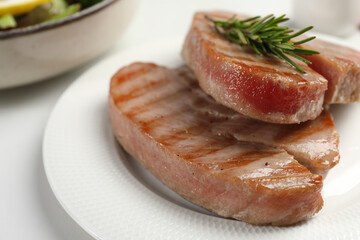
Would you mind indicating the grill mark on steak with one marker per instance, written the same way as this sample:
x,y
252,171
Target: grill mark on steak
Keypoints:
x,y
132,75
136,92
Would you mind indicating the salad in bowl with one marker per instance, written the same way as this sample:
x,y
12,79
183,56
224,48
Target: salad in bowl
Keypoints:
x,y
24,13
40,39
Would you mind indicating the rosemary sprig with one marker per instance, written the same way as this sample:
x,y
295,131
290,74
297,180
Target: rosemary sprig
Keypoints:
x,y
265,36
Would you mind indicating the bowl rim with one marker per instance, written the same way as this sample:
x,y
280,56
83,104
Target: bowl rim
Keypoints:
x,y
17,32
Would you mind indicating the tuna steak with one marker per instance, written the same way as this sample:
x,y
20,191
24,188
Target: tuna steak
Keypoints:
x,y
261,87
163,119
340,66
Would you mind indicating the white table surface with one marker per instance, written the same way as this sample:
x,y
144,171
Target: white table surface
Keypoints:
x,y
28,208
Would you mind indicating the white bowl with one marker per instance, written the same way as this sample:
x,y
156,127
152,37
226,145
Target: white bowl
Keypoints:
x,y
41,51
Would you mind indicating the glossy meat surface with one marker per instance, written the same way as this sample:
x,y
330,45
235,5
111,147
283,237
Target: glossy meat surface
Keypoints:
x,y
340,65
260,87
313,143
163,119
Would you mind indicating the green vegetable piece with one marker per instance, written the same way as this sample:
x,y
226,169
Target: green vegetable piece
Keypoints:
x,y
58,6
38,15
70,10
7,21
88,3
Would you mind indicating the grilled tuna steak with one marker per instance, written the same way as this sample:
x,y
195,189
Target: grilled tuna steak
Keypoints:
x,y
260,87
340,66
313,143
163,119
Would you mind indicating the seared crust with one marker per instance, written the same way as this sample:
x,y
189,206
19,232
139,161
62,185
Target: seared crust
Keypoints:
x,y
155,119
260,87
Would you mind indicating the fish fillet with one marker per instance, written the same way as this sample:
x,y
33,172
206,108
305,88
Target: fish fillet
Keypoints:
x,y
163,119
259,86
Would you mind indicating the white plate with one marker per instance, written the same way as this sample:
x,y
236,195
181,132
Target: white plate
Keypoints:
x,y
112,197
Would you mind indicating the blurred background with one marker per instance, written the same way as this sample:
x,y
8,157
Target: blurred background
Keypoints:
x,y
28,208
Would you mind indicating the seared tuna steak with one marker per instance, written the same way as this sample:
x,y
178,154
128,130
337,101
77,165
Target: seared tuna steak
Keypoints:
x,y
258,86
163,119
340,66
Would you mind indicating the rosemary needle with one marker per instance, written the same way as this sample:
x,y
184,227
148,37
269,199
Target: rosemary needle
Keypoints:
x,y
265,36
